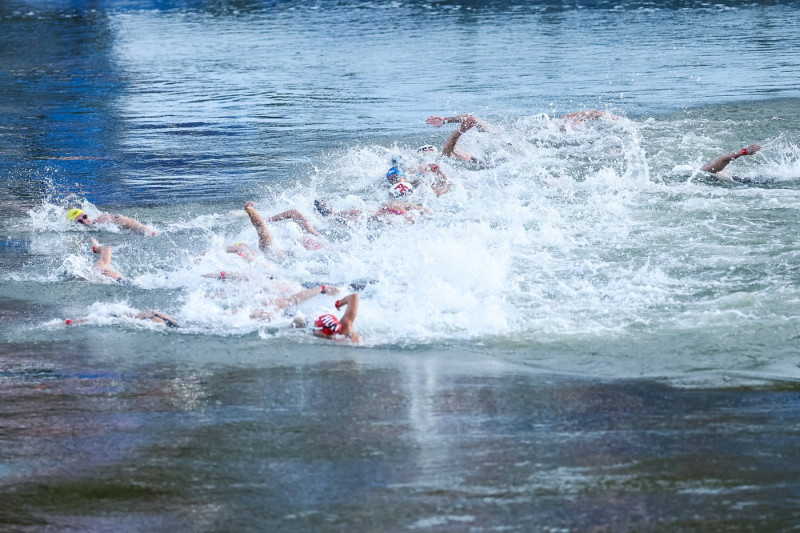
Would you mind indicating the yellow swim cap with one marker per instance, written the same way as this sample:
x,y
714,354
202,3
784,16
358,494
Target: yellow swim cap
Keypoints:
x,y
72,214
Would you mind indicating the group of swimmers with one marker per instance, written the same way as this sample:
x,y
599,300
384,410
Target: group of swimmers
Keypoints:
x,y
326,325
400,188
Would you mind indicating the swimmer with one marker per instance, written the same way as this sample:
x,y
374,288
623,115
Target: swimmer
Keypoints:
x,y
159,318
153,316
123,222
104,263
399,185
716,167
282,303
467,122
440,186
387,212
227,275
244,251
574,120
328,326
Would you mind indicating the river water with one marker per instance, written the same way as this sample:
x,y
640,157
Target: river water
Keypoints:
x,y
588,331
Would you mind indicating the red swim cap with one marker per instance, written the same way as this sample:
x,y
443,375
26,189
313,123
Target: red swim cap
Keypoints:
x,y
328,324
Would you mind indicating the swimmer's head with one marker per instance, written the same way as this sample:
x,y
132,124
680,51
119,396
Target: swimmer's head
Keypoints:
x,y
541,116
395,174
427,150
323,207
328,324
78,216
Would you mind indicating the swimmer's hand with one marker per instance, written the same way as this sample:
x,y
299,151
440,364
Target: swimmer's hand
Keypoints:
x,y
436,122
467,123
752,149
332,291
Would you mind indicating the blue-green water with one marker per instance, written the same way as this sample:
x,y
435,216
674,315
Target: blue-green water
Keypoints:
x,y
587,332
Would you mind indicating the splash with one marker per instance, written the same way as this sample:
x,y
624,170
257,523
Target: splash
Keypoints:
x,y
557,233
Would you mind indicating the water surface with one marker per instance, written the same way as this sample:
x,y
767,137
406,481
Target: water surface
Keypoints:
x,y
588,332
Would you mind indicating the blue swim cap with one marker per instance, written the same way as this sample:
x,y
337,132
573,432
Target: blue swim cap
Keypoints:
x,y
395,173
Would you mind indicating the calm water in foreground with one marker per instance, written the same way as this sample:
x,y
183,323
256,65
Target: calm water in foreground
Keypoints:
x,y
588,334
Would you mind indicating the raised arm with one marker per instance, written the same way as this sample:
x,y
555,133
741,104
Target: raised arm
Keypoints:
x,y
264,237
449,148
104,263
440,121
722,161
351,302
442,184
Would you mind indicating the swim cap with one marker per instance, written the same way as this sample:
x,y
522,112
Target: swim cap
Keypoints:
x,y
323,207
427,149
395,173
72,214
401,189
328,324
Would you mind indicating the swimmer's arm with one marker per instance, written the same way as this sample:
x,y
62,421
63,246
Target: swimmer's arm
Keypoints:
x,y
104,251
264,237
299,297
449,148
158,317
225,275
409,206
298,219
722,161
104,263
351,301
480,123
348,214
259,314
436,121
442,185
126,223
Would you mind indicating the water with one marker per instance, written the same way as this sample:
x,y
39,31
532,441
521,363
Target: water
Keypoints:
x,y
588,331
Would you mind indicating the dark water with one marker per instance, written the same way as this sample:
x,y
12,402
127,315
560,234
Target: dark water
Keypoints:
x,y
590,335
337,441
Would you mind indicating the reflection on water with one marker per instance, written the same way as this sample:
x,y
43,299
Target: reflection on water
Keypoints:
x,y
419,443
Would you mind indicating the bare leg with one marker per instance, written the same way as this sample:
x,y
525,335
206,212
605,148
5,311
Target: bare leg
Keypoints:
x,y
722,161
